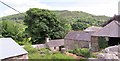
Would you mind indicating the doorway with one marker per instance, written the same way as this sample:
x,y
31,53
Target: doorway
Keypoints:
x,y
113,41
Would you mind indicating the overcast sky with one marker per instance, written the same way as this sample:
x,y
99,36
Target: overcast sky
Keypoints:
x,y
96,7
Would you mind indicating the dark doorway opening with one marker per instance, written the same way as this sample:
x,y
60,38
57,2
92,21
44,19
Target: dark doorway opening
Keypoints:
x,y
60,47
113,41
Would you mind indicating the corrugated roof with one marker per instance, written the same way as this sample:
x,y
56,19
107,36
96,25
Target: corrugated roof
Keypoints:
x,y
55,43
110,30
79,35
9,48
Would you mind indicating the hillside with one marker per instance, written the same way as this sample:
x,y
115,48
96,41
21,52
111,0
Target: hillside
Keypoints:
x,y
69,15
78,14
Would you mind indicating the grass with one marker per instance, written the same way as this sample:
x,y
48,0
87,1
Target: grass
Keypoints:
x,y
84,52
45,53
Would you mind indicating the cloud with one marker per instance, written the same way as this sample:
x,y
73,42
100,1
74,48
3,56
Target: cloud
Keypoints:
x,y
22,5
97,7
100,9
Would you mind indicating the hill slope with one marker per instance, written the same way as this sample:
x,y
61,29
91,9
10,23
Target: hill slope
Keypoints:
x,y
61,14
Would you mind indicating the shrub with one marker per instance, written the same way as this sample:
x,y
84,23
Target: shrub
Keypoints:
x,y
46,54
77,52
44,51
85,52
93,56
102,42
81,52
32,52
70,51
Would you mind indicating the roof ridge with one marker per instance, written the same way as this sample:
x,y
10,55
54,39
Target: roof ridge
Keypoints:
x,y
117,22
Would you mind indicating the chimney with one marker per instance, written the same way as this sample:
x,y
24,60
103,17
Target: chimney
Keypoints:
x,y
47,39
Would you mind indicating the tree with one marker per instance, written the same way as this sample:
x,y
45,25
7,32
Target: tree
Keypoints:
x,y
80,26
0,29
43,23
83,23
13,30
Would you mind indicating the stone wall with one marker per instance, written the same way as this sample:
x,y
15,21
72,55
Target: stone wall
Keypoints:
x,y
110,53
54,48
72,44
23,57
94,43
81,44
69,44
96,59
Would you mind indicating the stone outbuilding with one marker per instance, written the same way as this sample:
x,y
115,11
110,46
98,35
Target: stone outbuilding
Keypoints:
x,y
53,45
11,51
78,39
111,31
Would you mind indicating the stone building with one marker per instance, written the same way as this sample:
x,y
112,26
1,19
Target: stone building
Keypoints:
x,y
53,45
77,39
110,30
11,51
80,39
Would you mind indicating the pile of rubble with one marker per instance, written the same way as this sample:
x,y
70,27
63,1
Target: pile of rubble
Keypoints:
x,y
111,52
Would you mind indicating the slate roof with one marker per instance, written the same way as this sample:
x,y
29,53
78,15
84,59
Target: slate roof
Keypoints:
x,y
93,28
110,30
71,35
79,35
9,48
55,43
39,46
115,17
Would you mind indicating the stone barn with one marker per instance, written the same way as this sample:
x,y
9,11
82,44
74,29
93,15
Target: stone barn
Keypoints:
x,y
111,31
11,51
78,39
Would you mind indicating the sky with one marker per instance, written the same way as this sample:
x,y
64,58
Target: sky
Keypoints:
x,y
95,7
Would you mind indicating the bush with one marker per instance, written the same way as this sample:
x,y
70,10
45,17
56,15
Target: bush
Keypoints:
x,y
81,52
44,51
102,42
46,54
85,52
70,51
32,52
93,56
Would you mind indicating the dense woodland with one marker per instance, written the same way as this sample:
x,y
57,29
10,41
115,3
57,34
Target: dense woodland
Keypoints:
x,y
37,24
